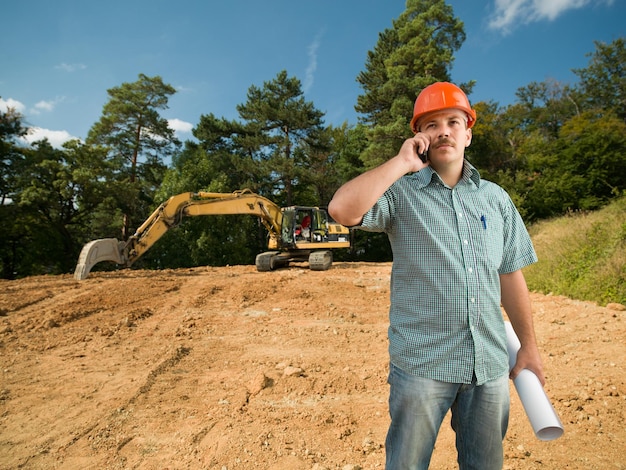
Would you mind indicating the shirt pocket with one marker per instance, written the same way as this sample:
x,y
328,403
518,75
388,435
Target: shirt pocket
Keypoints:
x,y
490,239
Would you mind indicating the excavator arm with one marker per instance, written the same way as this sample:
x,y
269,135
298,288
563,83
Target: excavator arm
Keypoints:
x,y
170,214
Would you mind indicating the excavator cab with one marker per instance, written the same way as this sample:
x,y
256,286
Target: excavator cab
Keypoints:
x,y
303,225
306,234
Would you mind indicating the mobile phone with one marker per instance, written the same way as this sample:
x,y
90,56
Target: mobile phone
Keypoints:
x,y
423,156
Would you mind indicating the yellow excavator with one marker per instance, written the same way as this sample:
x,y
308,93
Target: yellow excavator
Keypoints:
x,y
296,233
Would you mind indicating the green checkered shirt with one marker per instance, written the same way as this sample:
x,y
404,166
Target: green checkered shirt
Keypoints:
x,y
449,247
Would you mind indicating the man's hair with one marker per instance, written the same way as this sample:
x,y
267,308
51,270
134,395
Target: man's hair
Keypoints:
x,y
465,117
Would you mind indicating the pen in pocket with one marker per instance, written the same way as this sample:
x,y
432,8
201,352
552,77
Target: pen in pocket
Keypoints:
x,y
483,219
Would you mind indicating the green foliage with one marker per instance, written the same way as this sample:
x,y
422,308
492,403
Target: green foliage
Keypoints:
x,y
490,149
282,132
582,255
582,169
57,193
603,81
543,107
559,148
11,128
131,126
17,242
14,255
206,241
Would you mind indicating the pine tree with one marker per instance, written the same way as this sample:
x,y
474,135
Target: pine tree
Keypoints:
x,y
138,140
279,130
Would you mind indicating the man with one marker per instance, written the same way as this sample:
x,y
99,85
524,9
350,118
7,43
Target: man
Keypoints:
x,y
459,245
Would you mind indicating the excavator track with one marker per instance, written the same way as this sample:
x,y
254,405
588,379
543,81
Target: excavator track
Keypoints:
x,y
320,260
266,261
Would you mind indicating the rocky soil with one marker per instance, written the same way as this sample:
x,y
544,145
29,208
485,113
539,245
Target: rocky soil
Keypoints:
x,y
227,368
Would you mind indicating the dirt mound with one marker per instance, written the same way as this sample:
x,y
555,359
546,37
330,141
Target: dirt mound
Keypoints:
x,y
225,368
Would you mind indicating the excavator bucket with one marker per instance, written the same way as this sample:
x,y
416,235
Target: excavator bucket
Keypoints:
x,y
105,249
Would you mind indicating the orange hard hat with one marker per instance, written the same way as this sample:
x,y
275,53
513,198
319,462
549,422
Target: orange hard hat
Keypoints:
x,y
439,96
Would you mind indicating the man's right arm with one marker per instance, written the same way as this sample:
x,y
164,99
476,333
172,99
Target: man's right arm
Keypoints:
x,y
357,196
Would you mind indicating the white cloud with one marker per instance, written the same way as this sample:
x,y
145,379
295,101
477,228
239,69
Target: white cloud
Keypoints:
x,y
183,89
70,67
309,75
45,106
509,14
56,138
179,126
11,103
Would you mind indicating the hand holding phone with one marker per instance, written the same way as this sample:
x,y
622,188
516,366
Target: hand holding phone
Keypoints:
x,y
421,142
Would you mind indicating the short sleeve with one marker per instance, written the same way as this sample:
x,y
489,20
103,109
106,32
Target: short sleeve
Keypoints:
x,y
380,217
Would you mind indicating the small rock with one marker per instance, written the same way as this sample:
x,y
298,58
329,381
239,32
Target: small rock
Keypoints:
x,y
50,323
616,306
319,466
368,446
258,383
290,370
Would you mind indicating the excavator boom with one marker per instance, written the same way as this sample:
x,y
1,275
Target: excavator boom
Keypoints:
x,y
170,214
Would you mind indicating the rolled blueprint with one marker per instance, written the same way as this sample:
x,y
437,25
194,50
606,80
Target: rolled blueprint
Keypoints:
x,y
544,420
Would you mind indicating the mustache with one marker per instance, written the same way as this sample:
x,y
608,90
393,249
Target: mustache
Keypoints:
x,y
443,141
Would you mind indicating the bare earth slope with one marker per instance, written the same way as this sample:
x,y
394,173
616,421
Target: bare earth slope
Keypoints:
x,y
228,368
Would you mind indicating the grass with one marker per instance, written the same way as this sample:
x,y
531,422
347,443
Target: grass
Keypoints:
x,y
582,255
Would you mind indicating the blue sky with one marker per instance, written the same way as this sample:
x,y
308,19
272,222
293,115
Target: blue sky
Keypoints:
x,y
58,58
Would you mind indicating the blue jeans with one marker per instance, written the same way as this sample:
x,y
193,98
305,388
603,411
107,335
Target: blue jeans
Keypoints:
x,y
480,416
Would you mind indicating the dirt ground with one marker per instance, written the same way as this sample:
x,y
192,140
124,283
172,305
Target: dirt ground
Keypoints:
x,y
227,368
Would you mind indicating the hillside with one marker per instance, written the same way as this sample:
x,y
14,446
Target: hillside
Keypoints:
x,y
226,368
582,255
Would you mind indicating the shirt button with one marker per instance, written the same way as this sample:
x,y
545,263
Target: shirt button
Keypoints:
x,y
465,242
470,270
460,214
472,300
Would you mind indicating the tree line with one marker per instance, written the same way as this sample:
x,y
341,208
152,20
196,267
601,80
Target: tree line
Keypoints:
x,y
557,148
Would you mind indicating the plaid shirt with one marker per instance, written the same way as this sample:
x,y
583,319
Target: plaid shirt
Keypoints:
x,y
449,247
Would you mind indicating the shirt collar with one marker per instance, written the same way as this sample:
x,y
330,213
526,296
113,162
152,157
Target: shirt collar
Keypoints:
x,y
470,173
428,175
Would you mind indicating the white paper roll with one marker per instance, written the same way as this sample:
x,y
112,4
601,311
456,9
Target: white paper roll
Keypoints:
x,y
541,414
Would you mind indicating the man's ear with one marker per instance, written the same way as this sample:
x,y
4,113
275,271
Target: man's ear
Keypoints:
x,y
469,137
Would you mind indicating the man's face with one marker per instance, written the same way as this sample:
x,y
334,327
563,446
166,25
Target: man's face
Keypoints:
x,y
448,133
